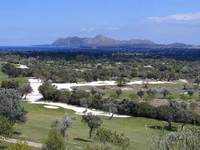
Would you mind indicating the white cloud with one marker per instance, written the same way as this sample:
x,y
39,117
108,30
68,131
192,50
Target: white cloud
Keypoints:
x,y
91,29
187,17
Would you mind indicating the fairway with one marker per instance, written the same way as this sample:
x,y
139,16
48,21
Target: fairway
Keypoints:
x,y
39,120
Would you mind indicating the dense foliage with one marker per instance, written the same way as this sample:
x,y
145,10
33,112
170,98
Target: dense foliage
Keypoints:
x,y
55,141
12,71
10,105
107,136
185,139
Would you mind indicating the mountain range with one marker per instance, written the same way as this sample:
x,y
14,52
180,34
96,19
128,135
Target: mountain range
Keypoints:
x,y
103,41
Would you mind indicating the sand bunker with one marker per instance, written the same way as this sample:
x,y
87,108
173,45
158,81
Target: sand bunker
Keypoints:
x,y
51,107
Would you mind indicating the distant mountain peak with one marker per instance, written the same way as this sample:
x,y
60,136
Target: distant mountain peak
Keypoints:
x,y
104,41
98,41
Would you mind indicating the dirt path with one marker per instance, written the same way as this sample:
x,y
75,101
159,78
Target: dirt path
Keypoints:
x,y
14,141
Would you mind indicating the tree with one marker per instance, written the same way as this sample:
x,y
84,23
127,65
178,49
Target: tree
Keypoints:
x,y
48,91
151,92
25,90
197,80
63,124
118,92
190,93
140,93
10,84
85,102
10,105
165,93
55,141
20,146
168,114
184,116
77,95
62,95
92,121
111,108
145,84
185,86
121,81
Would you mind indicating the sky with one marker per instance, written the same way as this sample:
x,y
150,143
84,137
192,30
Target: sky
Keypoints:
x,y
30,22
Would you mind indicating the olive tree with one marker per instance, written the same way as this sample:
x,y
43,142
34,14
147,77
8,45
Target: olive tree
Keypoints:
x,y
111,108
10,105
63,124
25,90
92,121
140,93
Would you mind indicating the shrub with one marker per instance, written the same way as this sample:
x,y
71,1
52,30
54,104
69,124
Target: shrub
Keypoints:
x,y
10,84
107,136
6,128
20,146
55,141
185,139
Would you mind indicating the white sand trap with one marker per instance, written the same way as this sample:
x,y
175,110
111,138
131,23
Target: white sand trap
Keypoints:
x,y
22,66
80,110
35,95
51,107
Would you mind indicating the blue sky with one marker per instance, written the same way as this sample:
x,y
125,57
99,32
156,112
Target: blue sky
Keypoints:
x,y
28,22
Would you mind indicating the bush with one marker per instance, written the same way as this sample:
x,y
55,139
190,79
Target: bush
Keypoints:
x,y
55,141
20,146
10,84
185,139
107,136
50,92
6,128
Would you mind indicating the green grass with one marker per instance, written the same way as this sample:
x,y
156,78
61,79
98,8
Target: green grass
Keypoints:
x,y
5,146
3,76
39,120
